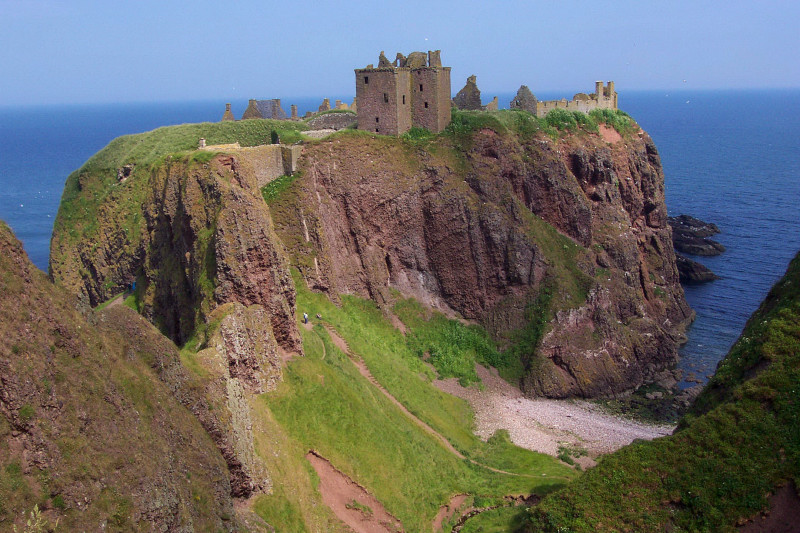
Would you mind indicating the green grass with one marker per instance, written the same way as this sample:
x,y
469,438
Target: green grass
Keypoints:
x,y
502,520
452,347
272,190
619,120
325,404
556,123
739,442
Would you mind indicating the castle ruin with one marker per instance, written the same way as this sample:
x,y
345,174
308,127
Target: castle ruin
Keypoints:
x,y
604,97
412,91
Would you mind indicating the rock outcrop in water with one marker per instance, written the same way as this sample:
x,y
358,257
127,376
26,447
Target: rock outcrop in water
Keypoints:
x,y
691,236
692,271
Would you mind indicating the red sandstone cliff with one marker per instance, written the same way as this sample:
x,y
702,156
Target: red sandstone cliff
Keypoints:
x,y
457,229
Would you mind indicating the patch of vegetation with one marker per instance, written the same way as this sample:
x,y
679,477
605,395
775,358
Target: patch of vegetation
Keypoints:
x,y
35,523
26,413
501,520
617,119
272,190
739,442
360,507
450,346
568,453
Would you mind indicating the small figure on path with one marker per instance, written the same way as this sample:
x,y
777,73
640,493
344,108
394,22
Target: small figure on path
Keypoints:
x,y
305,318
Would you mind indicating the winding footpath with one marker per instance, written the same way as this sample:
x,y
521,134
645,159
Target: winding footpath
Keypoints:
x,y
364,371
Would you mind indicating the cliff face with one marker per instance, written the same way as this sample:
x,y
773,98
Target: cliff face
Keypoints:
x,y
210,241
201,237
88,430
460,230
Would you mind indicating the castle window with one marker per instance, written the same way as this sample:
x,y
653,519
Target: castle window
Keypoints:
x,y
404,99
386,97
377,119
426,105
366,80
420,87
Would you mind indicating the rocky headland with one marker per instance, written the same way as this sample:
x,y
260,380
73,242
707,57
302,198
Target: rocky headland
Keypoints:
x,y
557,243
190,398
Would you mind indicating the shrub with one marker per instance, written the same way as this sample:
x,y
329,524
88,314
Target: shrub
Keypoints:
x,y
619,120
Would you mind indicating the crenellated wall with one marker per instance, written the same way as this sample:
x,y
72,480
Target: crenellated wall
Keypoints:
x,y
604,97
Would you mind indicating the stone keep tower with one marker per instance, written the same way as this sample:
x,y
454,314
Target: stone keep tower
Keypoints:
x,y
412,91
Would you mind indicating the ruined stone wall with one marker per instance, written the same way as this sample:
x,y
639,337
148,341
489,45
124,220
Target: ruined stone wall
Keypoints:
x,y
430,98
332,121
265,162
383,100
603,98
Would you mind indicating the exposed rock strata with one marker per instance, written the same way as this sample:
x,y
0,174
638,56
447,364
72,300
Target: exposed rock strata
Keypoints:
x,y
499,228
459,236
205,239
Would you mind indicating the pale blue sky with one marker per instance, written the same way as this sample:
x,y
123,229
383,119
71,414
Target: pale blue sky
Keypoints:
x,y
80,51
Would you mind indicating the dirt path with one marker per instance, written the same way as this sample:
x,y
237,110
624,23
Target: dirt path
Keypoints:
x,y
340,343
349,501
446,512
544,425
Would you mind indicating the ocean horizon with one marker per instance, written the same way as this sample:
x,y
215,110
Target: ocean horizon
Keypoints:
x,y
729,157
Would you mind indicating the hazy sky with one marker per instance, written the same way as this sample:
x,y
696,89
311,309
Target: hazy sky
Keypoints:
x,y
76,51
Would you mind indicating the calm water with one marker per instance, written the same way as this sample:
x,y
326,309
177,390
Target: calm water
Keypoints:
x,y
732,158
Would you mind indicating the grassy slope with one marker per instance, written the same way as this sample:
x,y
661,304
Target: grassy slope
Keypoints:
x,y
325,404
740,441
99,426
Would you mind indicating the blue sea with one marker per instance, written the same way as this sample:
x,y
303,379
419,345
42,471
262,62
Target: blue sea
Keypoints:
x,y
730,157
